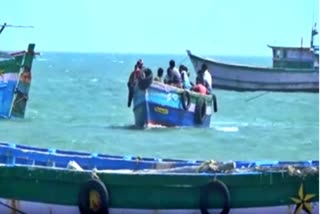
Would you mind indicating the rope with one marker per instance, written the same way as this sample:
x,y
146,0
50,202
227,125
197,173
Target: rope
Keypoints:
x,y
257,96
12,208
94,174
17,26
184,59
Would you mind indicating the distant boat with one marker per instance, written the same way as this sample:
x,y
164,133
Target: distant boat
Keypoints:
x,y
28,186
15,80
155,103
294,69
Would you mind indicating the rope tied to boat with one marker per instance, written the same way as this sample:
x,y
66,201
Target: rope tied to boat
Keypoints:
x,y
215,166
94,174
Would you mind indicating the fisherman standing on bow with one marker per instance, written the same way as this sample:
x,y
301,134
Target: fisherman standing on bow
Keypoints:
x,y
133,78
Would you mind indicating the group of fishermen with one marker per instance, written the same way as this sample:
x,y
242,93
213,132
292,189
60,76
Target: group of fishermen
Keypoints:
x,y
176,77
181,78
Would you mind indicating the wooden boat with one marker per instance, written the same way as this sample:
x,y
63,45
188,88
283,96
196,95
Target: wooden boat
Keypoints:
x,y
11,153
295,69
15,80
155,103
279,187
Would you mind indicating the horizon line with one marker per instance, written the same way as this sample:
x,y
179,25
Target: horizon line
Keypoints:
x,y
147,53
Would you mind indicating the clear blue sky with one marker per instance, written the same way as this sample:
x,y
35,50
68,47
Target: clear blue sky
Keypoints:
x,y
217,27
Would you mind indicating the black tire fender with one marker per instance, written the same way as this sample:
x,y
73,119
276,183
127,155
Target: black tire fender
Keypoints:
x,y
93,198
214,102
185,100
217,186
200,110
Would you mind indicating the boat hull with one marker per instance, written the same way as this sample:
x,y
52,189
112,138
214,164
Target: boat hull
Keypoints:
x,y
6,206
9,70
15,82
143,192
249,78
162,105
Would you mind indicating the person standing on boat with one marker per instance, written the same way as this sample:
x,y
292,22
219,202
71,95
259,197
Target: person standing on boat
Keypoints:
x,y
203,81
135,74
207,76
186,84
173,76
158,78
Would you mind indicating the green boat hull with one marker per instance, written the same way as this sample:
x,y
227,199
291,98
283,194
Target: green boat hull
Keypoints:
x,y
61,190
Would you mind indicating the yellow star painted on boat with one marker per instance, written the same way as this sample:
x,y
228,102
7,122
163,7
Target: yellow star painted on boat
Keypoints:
x,y
303,201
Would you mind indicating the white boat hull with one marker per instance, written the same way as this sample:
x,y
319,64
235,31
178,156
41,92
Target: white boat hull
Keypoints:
x,y
249,78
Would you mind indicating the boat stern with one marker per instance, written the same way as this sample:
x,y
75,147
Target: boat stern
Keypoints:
x,y
168,106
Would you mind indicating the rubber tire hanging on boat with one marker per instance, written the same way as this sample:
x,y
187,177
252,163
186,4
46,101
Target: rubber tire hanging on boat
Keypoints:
x,y
200,110
214,102
217,186
97,186
145,80
185,100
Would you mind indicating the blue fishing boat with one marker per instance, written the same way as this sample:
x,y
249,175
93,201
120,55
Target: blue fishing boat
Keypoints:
x,y
15,80
165,105
19,154
12,153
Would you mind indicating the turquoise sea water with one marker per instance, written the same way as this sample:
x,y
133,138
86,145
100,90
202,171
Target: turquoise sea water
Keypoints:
x,y
78,101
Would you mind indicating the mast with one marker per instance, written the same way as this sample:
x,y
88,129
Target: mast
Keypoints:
x,y
2,27
313,33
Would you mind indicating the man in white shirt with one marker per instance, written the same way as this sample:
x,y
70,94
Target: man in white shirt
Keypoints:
x,y
206,75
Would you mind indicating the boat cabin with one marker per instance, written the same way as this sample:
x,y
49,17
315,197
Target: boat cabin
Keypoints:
x,y
297,57
294,57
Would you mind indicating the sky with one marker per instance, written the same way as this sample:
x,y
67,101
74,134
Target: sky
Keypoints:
x,y
206,27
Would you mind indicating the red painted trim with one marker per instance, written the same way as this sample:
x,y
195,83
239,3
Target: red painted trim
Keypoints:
x,y
20,53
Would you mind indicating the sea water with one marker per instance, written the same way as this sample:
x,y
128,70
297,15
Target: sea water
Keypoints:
x,y
78,101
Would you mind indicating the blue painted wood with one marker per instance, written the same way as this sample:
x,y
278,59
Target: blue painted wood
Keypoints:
x,y
167,97
11,154
59,158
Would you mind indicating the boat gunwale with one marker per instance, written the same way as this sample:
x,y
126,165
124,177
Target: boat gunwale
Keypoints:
x,y
152,172
254,68
69,153
162,87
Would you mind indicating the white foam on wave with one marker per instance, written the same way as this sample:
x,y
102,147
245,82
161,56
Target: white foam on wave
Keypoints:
x,y
151,126
41,59
94,80
227,129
